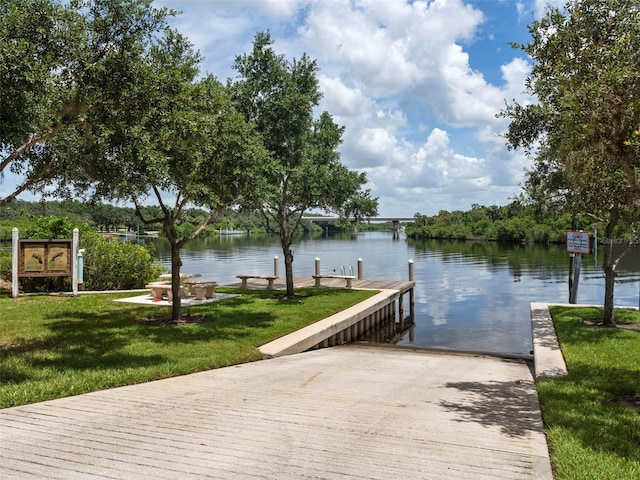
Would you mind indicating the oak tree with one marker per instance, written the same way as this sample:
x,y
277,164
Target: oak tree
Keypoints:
x,y
582,132
279,96
100,99
192,148
63,65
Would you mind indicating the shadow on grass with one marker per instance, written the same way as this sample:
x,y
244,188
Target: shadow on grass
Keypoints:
x,y
80,341
98,334
583,403
106,340
604,364
510,406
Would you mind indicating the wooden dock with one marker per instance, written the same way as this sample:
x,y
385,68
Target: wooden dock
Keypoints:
x,y
304,282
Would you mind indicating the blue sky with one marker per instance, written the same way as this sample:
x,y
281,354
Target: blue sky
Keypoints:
x,y
416,85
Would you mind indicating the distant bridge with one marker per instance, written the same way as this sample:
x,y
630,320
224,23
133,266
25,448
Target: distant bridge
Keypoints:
x,y
369,219
395,220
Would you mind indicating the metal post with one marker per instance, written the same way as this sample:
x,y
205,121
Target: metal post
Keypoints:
x,y
573,297
276,267
360,269
410,270
14,263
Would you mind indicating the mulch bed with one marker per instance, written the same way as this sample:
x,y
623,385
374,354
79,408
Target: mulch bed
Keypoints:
x,y
623,325
630,401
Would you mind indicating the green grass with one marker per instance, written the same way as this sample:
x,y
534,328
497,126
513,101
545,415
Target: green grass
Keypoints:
x,y
52,346
591,436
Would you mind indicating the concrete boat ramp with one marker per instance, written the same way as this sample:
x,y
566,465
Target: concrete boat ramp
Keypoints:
x,y
347,412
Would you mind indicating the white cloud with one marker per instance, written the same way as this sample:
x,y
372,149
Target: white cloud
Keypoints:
x,y
401,76
541,5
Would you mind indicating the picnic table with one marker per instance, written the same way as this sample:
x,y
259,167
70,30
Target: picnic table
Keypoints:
x,y
163,287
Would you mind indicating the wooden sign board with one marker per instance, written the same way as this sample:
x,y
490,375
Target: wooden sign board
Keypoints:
x,y
44,258
578,242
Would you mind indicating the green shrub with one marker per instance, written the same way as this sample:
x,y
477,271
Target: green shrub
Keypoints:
x,y
113,265
5,265
53,228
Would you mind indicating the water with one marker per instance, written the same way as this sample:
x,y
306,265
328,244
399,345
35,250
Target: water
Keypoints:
x,y
469,296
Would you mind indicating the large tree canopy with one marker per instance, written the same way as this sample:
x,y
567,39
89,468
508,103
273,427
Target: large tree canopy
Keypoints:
x,y
583,130
280,96
107,103
190,148
63,65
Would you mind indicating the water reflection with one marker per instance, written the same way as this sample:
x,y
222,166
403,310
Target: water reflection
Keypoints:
x,y
470,296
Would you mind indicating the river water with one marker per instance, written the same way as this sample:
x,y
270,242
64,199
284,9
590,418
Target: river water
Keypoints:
x,y
469,296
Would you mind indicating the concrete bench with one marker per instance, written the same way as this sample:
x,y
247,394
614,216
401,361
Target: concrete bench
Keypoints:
x,y
160,289
201,289
270,279
347,278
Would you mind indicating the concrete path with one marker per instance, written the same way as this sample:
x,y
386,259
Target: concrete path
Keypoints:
x,y
348,412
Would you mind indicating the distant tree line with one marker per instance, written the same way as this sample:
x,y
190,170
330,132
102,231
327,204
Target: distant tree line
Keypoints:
x,y
105,217
515,222
110,218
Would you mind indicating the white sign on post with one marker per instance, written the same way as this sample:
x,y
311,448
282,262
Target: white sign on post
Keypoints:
x,y
577,242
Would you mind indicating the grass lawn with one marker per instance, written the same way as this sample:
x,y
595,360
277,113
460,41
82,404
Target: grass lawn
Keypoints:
x,y
56,346
591,435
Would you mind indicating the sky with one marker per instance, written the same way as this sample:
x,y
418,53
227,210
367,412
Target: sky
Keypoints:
x,y
417,86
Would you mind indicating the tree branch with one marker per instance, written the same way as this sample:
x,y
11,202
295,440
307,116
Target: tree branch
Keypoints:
x,y
27,184
141,217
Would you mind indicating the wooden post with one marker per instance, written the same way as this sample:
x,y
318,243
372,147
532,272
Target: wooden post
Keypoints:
x,y
360,269
276,272
411,305
410,270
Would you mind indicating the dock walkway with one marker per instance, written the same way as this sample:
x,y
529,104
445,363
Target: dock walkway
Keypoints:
x,y
304,282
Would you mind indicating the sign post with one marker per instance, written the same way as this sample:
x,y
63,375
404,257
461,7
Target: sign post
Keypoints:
x,y
577,245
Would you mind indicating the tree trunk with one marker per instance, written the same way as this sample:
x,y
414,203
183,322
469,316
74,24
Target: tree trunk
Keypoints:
x,y
288,268
176,263
608,266
172,236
